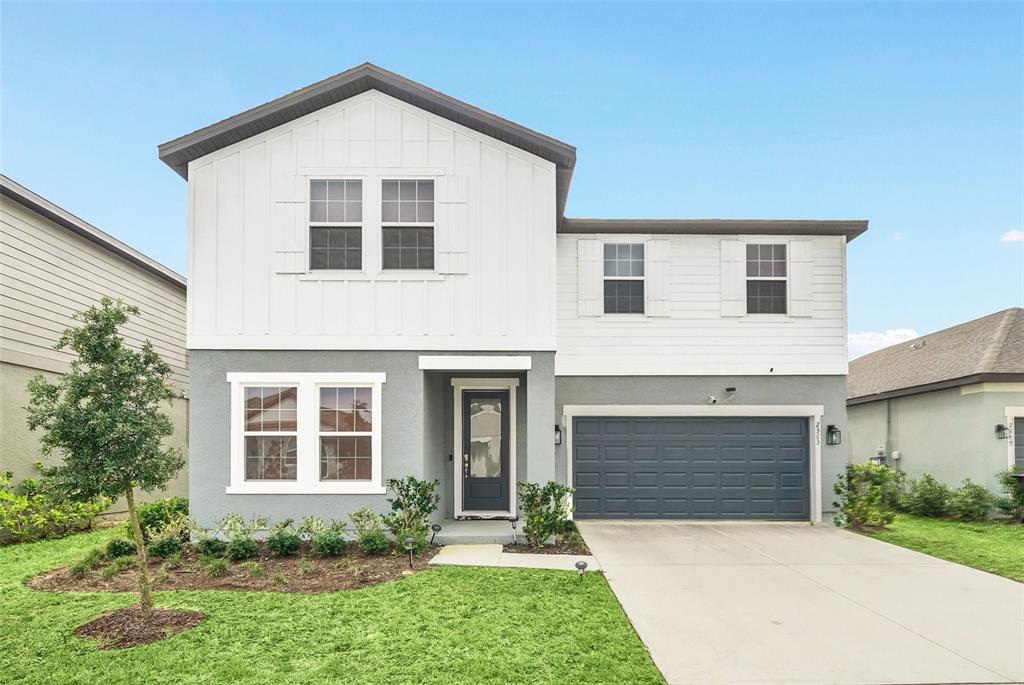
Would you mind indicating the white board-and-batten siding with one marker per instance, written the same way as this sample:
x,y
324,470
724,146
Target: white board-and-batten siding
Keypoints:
x,y
493,286
695,321
48,273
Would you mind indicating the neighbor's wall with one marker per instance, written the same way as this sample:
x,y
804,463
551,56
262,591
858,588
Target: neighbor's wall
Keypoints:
x,y
249,282
947,433
828,391
47,274
690,333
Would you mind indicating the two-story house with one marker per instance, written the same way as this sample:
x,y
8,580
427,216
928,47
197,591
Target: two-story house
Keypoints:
x,y
383,283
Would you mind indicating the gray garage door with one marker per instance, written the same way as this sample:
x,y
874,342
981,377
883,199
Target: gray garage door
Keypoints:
x,y
690,467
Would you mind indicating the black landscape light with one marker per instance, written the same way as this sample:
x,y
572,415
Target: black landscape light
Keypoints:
x,y
409,544
581,566
515,539
435,529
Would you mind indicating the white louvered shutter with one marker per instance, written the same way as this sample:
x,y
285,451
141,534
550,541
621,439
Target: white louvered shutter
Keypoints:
x,y
658,278
590,277
733,277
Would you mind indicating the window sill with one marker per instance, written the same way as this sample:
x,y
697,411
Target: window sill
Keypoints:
x,y
266,488
767,318
629,318
398,275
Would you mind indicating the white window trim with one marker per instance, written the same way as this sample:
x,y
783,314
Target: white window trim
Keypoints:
x,y
334,274
458,385
626,316
307,437
1012,414
407,274
785,279
813,413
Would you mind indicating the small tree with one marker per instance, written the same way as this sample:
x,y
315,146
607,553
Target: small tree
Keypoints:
x,y
105,417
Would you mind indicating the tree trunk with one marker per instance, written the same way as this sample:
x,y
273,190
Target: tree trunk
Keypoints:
x,y
145,598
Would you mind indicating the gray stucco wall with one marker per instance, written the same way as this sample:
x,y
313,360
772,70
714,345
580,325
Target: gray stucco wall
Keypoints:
x,y
417,421
947,433
828,391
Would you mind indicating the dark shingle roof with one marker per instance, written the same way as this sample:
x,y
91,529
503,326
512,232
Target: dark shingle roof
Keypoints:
x,y
989,348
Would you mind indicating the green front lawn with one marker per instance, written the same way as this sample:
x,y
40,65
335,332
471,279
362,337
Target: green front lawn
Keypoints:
x,y
445,625
992,546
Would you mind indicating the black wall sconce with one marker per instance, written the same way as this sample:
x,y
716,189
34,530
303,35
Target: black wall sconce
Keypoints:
x,y
833,436
558,434
1002,431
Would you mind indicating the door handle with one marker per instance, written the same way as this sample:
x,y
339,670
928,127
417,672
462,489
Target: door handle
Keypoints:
x,y
465,465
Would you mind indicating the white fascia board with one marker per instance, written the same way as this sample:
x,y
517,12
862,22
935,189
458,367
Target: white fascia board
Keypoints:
x,y
396,342
475,363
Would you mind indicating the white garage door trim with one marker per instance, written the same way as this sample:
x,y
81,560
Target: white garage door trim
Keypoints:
x,y
812,412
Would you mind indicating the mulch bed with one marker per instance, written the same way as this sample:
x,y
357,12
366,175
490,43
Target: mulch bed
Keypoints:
x,y
303,573
130,627
569,542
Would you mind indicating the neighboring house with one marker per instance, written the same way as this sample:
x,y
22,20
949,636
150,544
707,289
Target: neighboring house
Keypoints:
x,y
54,265
382,283
947,404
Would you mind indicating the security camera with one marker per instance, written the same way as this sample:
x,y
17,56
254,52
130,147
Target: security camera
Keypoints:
x,y
712,399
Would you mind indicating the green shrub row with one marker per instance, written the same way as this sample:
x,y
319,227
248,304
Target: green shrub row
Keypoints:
x,y
34,510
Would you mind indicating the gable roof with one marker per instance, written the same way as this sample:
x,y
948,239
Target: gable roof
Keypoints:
x,y
15,191
987,349
180,151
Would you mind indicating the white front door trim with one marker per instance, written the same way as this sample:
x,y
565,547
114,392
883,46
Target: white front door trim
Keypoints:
x,y
1012,414
813,413
458,385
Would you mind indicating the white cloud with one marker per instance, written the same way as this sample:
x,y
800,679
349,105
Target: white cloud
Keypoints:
x,y
1014,236
868,341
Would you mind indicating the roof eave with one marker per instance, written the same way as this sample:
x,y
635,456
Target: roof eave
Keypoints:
x,y
937,385
849,228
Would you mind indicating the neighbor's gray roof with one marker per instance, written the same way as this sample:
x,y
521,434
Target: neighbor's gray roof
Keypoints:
x,y
40,205
987,349
851,229
179,152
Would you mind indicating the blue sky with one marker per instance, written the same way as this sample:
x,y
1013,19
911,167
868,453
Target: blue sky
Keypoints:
x,y
910,115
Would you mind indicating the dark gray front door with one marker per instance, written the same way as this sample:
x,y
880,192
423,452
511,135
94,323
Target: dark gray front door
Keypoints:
x,y
691,467
485,426
1018,445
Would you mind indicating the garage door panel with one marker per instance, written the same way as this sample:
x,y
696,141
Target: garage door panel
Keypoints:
x,y
683,467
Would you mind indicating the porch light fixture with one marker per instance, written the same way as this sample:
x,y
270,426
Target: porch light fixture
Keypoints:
x,y
878,459
833,436
435,529
581,566
558,434
409,544
1002,431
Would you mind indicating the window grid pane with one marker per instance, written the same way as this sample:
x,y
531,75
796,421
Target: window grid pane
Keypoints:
x,y
346,410
270,410
270,457
623,297
407,202
766,297
766,261
624,260
335,248
338,201
407,248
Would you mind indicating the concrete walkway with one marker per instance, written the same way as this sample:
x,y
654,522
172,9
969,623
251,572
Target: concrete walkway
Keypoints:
x,y
493,555
791,603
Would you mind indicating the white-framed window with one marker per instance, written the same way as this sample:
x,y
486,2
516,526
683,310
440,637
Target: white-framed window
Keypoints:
x,y
306,433
623,278
766,278
335,224
407,224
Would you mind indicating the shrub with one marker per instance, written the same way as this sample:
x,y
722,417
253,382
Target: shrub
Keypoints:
x,y
970,502
86,563
374,542
116,566
252,569
865,495
211,547
279,578
365,520
173,560
1012,501
283,540
328,544
164,547
119,547
215,567
241,549
34,510
412,504
154,517
419,540
304,566
926,497
546,509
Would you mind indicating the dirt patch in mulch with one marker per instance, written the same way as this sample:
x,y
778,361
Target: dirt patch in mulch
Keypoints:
x,y
302,573
130,627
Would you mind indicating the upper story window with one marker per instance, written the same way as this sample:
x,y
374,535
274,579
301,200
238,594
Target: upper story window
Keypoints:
x,y
623,278
766,279
407,224
335,224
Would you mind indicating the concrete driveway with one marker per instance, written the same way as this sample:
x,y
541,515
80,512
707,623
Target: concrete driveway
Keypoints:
x,y
744,603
